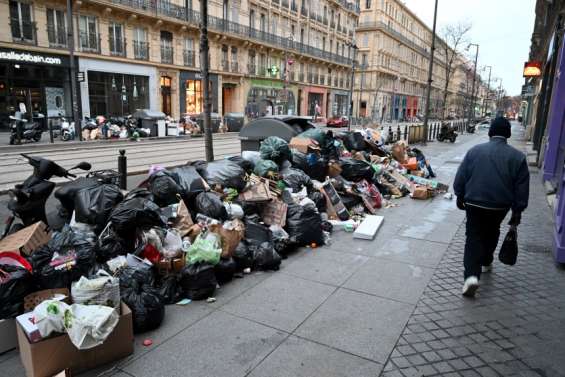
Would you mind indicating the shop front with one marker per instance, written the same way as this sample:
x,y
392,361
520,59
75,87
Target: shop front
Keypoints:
x,y
338,103
313,96
117,89
267,97
191,92
34,84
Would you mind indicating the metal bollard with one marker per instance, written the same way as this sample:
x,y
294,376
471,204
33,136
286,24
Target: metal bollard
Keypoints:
x,y
406,132
390,135
51,136
123,169
398,132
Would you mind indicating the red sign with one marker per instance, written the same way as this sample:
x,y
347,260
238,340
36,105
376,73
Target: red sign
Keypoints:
x,y
532,69
290,62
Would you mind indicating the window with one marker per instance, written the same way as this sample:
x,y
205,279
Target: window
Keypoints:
x,y
188,53
226,10
23,28
193,96
252,19
166,47
324,43
56,28
367,4
140,45
363,60
263,23
224,60
274,25
88,33
262,64
116,39
251,68
365,42
234,61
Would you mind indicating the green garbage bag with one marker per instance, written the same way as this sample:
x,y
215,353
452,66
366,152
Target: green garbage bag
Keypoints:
x,y
315,134
275,149
266,169
205,249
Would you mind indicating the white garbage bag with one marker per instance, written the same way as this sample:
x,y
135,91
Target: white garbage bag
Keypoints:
x,y
172,244
103,289
49,317
89,325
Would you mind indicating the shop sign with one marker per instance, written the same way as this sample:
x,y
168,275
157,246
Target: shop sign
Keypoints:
x,y
27,57
80,76
532,69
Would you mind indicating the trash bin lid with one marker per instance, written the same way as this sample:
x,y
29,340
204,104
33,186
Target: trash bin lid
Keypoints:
x,y
148,114
285,127
234,115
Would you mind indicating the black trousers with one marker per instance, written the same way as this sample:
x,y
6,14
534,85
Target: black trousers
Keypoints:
x,y
483,231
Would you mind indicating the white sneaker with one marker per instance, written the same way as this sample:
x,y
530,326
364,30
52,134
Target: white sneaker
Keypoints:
x,y
487,269
470,286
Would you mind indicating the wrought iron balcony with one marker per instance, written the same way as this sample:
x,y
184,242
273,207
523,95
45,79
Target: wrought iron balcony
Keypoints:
x,y
57,38
23,31
167,54
141,50
235,67
301,77
293,7
252,69
89,42
117,46
225,65
189,58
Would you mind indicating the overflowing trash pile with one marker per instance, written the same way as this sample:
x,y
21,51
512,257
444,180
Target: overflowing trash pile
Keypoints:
x,y
185,232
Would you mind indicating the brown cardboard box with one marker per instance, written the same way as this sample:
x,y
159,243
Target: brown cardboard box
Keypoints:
x,y
51,355
303,145
274,213
27,240
230,237
420,192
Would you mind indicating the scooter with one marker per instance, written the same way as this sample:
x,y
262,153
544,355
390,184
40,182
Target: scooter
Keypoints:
x,y
471,127
67,130
447,132
27,132
28,199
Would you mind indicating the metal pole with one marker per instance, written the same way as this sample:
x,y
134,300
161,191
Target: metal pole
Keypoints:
x,y
72,68
485,101
205,68
430,74
351,87
123,169
472,116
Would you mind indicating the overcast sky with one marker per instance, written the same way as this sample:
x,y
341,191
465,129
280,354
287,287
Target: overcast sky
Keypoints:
x,y
502,28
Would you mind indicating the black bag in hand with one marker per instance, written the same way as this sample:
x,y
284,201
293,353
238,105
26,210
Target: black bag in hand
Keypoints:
x,y
509,250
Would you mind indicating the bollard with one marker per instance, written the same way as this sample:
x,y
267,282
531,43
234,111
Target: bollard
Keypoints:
x,y
123,169
51,137
398,132
390,135
406,132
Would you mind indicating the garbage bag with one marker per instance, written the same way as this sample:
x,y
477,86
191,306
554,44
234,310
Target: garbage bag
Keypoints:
x,y
225,270
265,257
101,289
311,164
256,233
89,325
356,170
137,212
354,141
315,134
266,168
15,283
275,149
281,239
170,289
304,225
164,188
110,245
242,256
49,317
198,281
205,249
189,180
172,244
330,147
144,300
209,204
246,165
296,179
94,204
319,200
224,173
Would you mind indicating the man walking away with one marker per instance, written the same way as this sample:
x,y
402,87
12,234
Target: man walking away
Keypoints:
x,y
492,179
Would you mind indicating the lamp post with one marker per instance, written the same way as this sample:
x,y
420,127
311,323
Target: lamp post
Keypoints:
x,y
430,76
205,71
472,117
355,48
72,69
485,101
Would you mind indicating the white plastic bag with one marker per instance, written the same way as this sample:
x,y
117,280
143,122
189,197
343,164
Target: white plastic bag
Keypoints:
x,y
234,211
89,325
49,317
103,289
172,244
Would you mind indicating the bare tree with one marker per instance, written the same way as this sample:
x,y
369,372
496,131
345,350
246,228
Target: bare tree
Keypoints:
x,y
454,38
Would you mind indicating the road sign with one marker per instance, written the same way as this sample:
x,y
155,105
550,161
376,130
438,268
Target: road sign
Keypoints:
x,y
527,90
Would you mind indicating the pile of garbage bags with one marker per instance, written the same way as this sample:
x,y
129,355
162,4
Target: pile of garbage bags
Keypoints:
x,y
185,232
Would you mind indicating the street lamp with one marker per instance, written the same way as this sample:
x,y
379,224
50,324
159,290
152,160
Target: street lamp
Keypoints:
x,y
430,76
485,101
472,116
355,48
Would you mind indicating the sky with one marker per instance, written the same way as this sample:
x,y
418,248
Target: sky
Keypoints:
x,y
502,28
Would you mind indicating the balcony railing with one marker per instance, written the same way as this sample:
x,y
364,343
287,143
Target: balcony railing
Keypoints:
x,y
166,54
293,7
89,42
275,2
325,21
284,4
303,11
235,67
117,46
301,77
332,24
322,80
312,15
225,65
57,38
262,71
335,81
188,58
381,25
141,50
310,77
252,69
23,31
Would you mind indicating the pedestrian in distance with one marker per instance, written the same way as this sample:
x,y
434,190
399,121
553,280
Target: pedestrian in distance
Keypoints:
x,y
492,180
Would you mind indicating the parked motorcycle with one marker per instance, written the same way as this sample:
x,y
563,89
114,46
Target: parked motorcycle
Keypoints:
x,y
27,132
471,126
67,129
447,132
28,199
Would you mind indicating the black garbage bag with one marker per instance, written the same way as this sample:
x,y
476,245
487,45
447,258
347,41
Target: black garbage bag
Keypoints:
x,y
93,205
189,180
136,212
350,201
139,192
304,225
225,173
275,149
354,141
246,165
144,300
296,179
265,257
319,199
356,170
242,256
314,166
266,168
15,283
209,204
170,289
256,233
328,147
198,281
110,245
164,188
225,270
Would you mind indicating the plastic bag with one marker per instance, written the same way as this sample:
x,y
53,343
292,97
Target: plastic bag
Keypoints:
x,y
225,270
49,317
170,289
356,170
275,149
354,141
189,180
137,212
94,204
89,326
110,245
15,283
509,250
304,225
172,244
319,200
198,281
315,134
164,188
242,256
266,169
311,164
101,289
265,257
209,204
281,239
246,165
296,179
205,249
235,211
225,173
251,156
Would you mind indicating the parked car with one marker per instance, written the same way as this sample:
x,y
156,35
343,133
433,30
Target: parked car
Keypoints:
x,y
338,121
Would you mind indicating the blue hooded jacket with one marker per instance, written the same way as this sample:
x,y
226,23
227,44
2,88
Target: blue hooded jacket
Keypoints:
x,y
494,175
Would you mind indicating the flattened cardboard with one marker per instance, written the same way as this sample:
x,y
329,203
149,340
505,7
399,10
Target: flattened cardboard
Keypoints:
x,y
336,205
368,227
303,144
52,355
27,240
274,213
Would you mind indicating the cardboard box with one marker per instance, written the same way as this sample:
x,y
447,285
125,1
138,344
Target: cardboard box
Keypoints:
x,y
304,145
230,237
421,192
8,337
368,227
274,213
49,356
27,240
336,208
